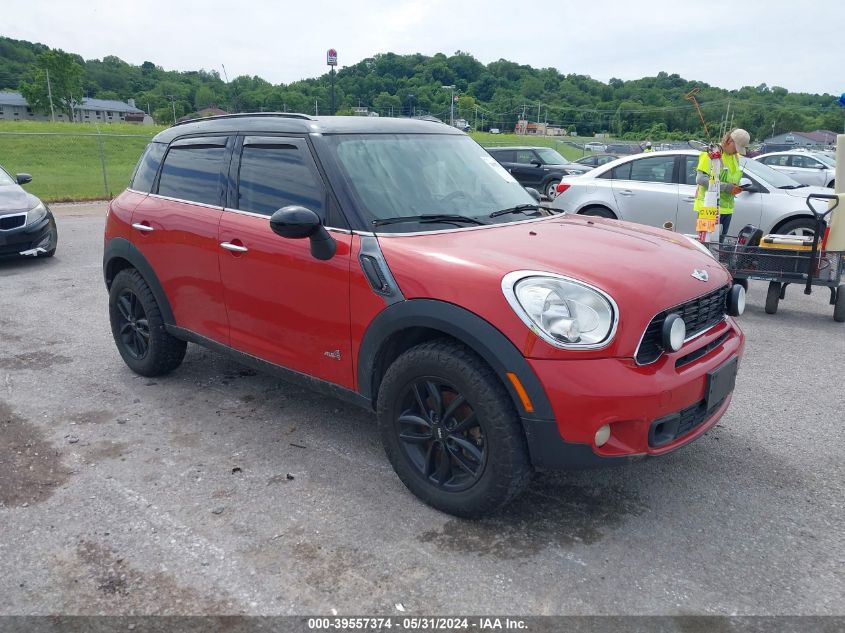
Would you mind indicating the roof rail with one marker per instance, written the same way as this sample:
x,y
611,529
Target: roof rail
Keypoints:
x,y
285,115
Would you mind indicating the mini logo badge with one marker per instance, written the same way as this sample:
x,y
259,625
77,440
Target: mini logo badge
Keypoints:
x,y
700,274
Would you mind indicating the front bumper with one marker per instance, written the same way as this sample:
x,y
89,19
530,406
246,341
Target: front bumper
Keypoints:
x,y
641,404
29,240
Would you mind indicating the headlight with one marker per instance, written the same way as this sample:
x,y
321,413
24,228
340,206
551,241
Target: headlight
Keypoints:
x,y
563,312
700,246
36,213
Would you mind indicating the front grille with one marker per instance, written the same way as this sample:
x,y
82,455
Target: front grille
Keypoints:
x,y
9,222
698,314
668,429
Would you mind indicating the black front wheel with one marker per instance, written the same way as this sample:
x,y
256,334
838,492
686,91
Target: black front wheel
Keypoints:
x,y
138,327
451,431
773,297
839,305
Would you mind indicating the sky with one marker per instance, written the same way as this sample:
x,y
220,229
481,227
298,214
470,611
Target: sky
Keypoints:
x,y
796,45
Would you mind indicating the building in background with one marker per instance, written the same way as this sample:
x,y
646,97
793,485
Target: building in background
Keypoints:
x,y
13,107
817,138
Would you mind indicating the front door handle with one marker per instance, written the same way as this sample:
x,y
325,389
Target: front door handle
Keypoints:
x,y
235,248
145,228
689,199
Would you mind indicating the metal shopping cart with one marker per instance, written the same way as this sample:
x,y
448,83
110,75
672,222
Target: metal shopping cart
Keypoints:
x,y
785,259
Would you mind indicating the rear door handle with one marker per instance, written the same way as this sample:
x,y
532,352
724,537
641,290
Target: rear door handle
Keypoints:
x,y
145,228
626,192
234,247
689,199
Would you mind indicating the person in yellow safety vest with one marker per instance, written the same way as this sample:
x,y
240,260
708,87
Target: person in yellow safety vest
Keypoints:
x,y
648,147
734,144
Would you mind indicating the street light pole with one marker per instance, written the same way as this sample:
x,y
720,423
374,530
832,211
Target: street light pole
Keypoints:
x,y
451,105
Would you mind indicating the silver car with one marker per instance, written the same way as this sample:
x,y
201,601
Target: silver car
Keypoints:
x,y
805,167
659,188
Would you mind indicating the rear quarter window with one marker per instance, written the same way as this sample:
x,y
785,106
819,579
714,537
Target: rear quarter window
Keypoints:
x,y
147,168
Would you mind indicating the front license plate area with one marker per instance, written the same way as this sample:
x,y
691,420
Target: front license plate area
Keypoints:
x,y
721,382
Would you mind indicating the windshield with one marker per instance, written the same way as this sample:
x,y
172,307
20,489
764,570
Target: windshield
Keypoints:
x,y
400,175
770,176
5,178
550,156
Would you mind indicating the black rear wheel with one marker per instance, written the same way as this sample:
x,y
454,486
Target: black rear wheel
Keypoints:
x,y
451,431
599,212
839,306
772,297
138,327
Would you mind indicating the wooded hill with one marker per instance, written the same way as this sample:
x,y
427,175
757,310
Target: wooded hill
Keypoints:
x,y
492,95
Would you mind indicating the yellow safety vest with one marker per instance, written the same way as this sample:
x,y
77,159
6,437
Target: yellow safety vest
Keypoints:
x,y
731,173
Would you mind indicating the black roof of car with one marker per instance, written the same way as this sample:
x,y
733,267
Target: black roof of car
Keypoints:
x,y
265,122
510,147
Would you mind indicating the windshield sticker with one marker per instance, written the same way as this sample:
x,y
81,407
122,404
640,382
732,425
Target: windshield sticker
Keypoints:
x,y
495,166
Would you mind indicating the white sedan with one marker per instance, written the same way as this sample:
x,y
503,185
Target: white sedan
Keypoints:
x,y
808,168
659,188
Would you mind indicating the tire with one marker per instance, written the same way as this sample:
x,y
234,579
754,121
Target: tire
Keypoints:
x,y
451,431
138,327
599,212
839,306
742,282
772,297
798,226
551,189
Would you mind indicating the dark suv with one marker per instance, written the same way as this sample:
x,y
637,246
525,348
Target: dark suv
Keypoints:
x,y
394,264
538,167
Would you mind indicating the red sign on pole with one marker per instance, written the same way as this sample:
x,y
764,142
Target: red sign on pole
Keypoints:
x,y
331,57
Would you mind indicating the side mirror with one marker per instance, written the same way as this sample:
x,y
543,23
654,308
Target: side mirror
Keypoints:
x,y
295,222
747,186
536,163
22,179
534,193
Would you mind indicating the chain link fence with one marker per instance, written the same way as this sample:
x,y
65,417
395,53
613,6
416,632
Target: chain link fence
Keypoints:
x,y
69,166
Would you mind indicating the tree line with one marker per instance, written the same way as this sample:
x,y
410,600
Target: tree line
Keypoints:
x,y
495,95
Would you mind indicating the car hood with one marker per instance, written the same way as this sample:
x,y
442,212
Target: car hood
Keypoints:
x,y
13,199
645,270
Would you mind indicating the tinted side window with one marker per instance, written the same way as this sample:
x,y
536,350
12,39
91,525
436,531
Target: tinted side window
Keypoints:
x,y
623,172
193,172
657,169
504,155
147,168
690,170
525,156
275,176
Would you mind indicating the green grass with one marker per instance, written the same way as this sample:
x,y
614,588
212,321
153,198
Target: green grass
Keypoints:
x,y
64,158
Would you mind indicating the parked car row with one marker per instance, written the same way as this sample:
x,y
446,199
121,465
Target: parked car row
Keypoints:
x,y
27,226
659,188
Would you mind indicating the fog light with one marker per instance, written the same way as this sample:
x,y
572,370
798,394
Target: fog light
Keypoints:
x,y
736,300
602,435
673,333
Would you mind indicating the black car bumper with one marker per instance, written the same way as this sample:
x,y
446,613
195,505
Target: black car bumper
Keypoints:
x,y
35,239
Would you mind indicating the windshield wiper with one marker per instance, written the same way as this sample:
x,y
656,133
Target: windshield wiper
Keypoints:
x,y
792,187
429,218
520,208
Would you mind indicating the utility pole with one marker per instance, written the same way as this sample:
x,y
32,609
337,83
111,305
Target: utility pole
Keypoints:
x,y
50,96
316,110
451,104
173,105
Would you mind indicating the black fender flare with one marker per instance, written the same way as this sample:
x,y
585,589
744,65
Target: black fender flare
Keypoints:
x,y
121,248
479,335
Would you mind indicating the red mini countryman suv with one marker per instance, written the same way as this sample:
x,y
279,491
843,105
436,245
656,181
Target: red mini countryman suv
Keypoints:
x,y
396,264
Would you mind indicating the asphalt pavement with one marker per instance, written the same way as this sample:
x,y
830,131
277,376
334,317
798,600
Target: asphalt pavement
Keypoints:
x,y
220,490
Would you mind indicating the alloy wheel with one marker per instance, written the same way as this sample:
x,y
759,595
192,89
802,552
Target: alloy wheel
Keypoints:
x,y
441,435
133,325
